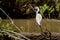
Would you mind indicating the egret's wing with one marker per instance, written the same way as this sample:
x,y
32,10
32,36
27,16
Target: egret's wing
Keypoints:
x,y
38,19
40,16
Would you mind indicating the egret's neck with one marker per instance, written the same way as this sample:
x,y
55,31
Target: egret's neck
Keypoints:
x,y
36,12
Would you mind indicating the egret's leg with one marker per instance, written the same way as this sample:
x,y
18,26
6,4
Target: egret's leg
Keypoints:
x,y
36,28
40,28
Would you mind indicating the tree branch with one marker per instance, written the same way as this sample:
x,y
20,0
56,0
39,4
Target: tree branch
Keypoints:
x,y
10,20
17,34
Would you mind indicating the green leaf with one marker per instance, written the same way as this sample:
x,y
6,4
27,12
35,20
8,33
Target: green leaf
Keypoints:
x,y
44,7
36,1
0,1
1,35
23,29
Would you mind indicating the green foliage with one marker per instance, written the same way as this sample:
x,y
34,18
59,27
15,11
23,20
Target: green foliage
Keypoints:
x,y
9,26
1,36
0,1
47,4
6,26
22,29
36,1
52,10
0,27
44,7
57,7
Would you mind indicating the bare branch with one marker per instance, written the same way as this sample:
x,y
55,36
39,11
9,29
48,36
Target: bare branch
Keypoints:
x,y
10,20
18,34
9,34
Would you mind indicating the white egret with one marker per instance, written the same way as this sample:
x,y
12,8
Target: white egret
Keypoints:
x,y
38,17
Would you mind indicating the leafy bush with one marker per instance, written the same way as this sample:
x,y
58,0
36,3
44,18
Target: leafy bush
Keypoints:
x,y
22,29
6,26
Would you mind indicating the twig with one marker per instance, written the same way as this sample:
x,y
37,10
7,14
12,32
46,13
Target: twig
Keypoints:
x,y
32,8
17,34
12,35
9,34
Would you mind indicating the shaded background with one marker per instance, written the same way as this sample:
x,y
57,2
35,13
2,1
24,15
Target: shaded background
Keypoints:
x,y
15,9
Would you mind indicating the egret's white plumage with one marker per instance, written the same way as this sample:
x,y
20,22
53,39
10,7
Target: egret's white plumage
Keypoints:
x,y
38,16
38,19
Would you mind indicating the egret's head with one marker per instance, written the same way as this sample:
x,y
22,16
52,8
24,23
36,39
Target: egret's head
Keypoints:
x,y
36,9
